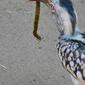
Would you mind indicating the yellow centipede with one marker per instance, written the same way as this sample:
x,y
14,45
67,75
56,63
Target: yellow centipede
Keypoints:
x,y
37,16
36,20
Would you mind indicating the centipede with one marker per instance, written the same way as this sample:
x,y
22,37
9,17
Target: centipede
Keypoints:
x,y
37,16
36,19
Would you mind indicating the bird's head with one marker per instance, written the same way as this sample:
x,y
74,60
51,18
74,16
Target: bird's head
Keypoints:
x,y
66,13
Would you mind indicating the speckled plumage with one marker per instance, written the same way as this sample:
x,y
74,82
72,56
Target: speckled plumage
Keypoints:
x,y
72,55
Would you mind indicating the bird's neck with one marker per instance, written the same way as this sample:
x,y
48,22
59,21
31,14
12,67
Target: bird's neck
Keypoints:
x,y
68,21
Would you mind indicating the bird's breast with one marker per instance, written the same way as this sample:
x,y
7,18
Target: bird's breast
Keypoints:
x,y
72,56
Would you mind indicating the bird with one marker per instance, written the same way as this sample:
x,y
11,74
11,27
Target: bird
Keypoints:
x,y
71,40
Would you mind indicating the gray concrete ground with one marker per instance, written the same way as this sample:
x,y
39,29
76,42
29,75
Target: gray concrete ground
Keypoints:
x,y
28,61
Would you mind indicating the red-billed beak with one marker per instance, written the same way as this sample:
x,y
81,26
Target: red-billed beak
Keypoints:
x,y
44,1
48,3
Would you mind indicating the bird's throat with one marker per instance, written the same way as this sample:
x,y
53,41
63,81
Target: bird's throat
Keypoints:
x,y
64,19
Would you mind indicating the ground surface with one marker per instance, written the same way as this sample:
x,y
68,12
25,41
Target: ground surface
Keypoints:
x,y
28,61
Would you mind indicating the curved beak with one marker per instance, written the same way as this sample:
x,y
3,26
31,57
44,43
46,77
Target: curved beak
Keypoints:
x,y
48,3
44,1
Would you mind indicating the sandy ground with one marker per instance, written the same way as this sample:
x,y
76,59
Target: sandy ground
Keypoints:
x,y
28,61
